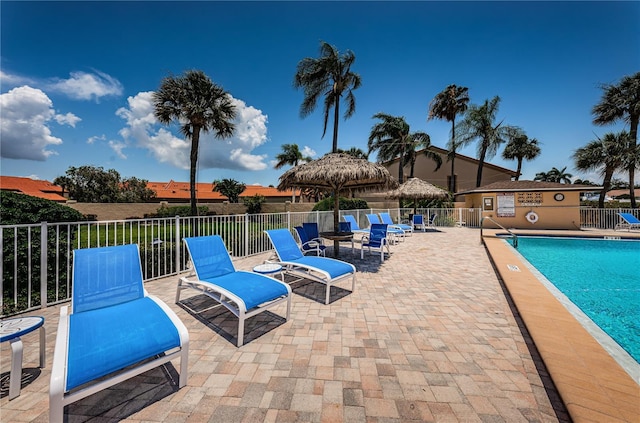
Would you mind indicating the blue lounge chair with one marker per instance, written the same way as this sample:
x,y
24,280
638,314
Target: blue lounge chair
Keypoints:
x,y
113,325
351,220
245,294
396,232
629,222
377,239
308,245
387,220
418,221
320,269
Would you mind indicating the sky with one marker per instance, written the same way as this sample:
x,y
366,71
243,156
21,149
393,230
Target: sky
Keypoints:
x,y
76,78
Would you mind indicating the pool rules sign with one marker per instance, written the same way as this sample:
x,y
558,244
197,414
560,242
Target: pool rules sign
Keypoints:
x,y
506,204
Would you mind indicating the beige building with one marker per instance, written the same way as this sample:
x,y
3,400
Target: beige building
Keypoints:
x,y
466,169
528,204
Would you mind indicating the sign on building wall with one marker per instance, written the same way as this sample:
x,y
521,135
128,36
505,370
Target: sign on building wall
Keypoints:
x,y
506,205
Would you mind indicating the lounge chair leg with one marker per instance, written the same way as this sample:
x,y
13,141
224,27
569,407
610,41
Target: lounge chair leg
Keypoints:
x,y
178,289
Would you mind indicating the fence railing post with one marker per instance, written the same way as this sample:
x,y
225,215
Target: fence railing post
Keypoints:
x,y
43,264
177,244
288,220
246,234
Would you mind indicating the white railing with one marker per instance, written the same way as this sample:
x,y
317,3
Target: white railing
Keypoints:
x,y
36,258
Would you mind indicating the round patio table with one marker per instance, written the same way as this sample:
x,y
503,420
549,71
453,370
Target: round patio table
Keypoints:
x,y
11,330
269,269
336,237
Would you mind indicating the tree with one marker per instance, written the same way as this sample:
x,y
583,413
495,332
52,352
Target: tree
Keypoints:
x,y
198,105
520,147
291,155
355,152
134,190
622,102
393,140
554,175
447,105
90,184
479,123
416,142
330,76
607,155
230,188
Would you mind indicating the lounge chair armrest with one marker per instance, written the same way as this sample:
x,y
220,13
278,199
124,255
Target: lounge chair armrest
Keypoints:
x,y
58,369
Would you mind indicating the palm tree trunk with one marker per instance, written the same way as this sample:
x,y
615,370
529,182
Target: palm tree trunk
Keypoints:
x,y
633,134
452,179
606,185
519,168
195,141
336,120
483,154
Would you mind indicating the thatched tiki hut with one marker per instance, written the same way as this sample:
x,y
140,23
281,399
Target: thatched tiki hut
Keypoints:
x,y
338,172
417,189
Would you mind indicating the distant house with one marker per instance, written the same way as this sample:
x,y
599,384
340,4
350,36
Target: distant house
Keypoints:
x,y
179,192
33,187
466,169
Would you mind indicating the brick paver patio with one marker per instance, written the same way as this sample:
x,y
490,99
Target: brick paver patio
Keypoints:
x,y
428,335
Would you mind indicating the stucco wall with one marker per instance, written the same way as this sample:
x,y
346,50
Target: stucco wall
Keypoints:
x,y
465,169
552,214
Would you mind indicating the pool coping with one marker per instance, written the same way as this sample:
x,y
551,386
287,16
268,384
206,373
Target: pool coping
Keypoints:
x,y
591,383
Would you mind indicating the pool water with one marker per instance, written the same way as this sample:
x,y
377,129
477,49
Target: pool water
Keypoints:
x,y
601,277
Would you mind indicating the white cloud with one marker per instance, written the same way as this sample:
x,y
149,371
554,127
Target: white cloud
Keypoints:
x,y
232,153
308,151
118,146
24,130
87,86
70,119
8,79
93,139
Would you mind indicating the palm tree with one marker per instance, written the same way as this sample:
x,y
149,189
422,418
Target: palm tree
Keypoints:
x,y
608,155
554,175
520,147
622,102
230,188
330,76
479,123
416,142
446,105
291,155
392,139
199,105
355,152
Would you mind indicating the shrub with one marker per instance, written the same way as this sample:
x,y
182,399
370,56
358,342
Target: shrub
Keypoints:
x,y
22,253
254,204
173,211
345,204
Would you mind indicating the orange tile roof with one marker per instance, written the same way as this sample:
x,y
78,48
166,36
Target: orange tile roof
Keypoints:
x,y
173,190
33,187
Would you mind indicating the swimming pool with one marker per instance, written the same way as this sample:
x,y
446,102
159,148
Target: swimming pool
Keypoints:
x,y
600,277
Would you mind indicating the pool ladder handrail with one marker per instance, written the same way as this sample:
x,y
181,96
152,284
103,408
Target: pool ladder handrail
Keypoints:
x,y
514,236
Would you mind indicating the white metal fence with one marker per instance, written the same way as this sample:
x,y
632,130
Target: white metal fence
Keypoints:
x,y
36,258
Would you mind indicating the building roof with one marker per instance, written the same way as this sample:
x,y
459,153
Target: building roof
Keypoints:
x,y
459,156
173,190
507,186
33,187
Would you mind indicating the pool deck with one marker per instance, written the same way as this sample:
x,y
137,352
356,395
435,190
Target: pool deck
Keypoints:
x,y
431,334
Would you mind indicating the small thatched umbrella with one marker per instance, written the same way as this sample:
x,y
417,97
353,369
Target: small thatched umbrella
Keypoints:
x,y
416,189
338,172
